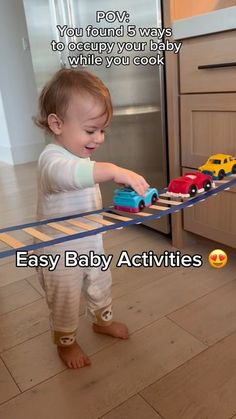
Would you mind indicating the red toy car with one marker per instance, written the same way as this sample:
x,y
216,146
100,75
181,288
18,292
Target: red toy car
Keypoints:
x,y
189,184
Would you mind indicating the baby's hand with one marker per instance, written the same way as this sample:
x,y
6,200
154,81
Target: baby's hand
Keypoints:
x,y
127,177
104,172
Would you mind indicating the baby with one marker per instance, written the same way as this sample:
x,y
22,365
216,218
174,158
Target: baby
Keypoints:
x,y
75,107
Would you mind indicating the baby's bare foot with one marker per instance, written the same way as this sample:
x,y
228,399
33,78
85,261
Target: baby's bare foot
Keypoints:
x,y
73,356
115,329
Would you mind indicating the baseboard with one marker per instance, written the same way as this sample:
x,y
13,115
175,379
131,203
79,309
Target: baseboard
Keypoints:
x,y
21,154
6,154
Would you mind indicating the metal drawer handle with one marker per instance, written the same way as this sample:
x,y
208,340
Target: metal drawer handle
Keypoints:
x,y
203,67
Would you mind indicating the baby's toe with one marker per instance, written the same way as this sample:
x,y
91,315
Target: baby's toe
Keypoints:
x,y
87,361
80,363
70,364
125,335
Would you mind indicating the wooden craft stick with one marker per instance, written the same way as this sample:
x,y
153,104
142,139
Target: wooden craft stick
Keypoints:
x,y
166,195
98,220
144,214
10,241
62,228
169,202
81,225
158,208
115,216
37,234
221,181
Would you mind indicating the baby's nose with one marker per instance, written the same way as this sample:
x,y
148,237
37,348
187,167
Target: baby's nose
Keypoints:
x,y
99,138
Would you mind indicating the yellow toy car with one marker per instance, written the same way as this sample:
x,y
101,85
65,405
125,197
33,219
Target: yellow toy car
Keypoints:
x,y
219,166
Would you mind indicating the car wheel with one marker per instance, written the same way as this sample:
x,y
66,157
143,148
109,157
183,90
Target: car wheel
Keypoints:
x,y
192,190
207,185
221,174
234,169
141,205
154,198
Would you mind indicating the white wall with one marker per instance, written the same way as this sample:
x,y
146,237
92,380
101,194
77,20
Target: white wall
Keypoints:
x,y
20,140
5,145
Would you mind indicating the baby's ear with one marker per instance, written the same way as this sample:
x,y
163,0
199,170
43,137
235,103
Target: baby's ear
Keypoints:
x,y
54,123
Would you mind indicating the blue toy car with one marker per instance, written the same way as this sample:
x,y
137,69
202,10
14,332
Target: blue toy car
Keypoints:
x,y
126,199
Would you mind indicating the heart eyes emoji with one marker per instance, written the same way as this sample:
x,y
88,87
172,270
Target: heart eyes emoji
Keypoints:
x,y
218,258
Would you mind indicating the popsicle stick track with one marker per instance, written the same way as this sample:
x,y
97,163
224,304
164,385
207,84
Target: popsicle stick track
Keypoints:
x,y
110,220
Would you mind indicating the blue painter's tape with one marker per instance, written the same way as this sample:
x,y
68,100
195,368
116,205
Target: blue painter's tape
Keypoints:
x,y
136,220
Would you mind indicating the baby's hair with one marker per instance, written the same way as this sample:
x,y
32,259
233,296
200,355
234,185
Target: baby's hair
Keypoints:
x,y
56,94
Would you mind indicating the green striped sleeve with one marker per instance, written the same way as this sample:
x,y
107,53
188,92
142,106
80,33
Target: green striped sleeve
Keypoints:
x,y
84,173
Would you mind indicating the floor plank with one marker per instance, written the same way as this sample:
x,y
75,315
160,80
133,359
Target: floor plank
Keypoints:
x,y
9,273
34,282
203,387
41,354
117,373
16,295
212,317
126,280
141,298
8,388
161,297
137,308
134,408
22,324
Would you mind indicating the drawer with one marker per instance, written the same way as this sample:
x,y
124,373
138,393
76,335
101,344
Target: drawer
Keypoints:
x,y
214,218
208,126
208,63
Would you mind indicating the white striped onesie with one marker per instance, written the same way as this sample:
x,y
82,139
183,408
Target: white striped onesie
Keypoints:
x,y
66,186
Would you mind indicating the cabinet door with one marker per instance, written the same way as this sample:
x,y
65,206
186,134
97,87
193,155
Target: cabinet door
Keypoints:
x,y
214,218
207,63
208,126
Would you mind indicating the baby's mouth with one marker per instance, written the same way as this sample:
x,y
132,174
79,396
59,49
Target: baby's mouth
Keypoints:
x,y
90,148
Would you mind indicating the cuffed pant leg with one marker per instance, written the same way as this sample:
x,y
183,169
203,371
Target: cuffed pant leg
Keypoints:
x,y
97,290
63,289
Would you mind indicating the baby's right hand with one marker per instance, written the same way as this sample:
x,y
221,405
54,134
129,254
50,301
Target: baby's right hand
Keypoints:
x,y
127,177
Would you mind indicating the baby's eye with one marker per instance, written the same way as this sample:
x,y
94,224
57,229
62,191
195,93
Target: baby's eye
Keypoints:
x,y
92,132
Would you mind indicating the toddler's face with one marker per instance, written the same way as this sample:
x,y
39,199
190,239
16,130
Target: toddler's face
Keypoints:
x,y
82,129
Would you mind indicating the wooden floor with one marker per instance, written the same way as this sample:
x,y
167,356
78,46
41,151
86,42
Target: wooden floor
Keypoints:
x,y
180,361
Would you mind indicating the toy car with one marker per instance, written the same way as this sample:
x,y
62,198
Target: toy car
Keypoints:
x,y
219,166
126,199
189,184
